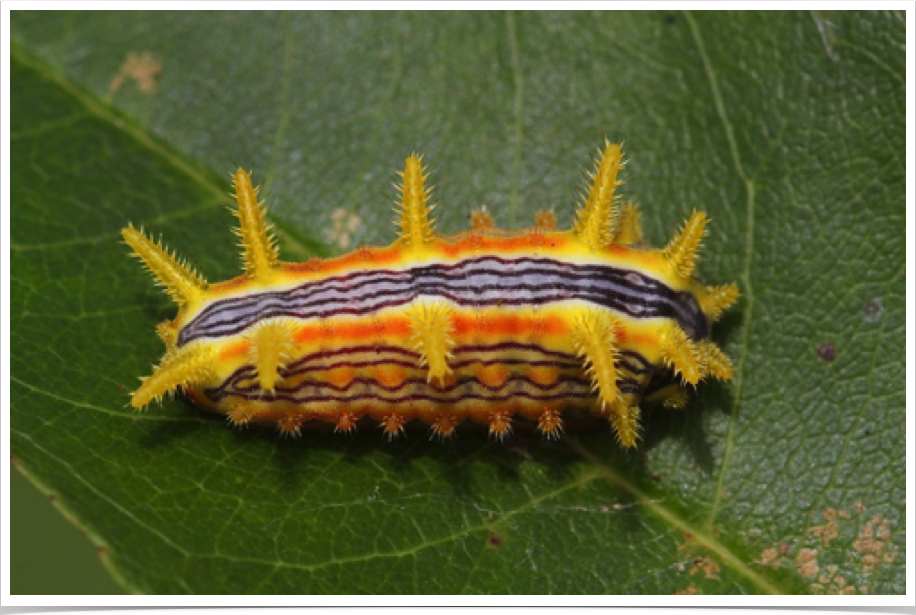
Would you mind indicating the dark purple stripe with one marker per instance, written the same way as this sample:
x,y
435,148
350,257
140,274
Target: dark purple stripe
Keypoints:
x,y
482,281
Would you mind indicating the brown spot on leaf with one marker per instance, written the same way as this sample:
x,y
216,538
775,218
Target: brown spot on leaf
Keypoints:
x,y
826,353
770,557
871,550
344,224
143,68
806,563
872,544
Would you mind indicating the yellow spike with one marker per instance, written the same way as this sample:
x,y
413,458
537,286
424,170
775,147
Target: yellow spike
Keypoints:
x,y
481,220
713,361
168,333
393,425
717,299
681,354
416,227
345,422
681,252
595,218
290,424
179,368
500,424
550,423
595,337
545,220
239,414
259,249
183,284
628,230
271,349
444,426
676,400
432,327
626,424
672,396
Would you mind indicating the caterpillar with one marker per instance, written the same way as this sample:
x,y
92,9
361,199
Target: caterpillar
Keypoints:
x,y
485,325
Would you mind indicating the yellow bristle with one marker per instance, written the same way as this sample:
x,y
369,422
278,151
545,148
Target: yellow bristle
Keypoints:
x,y
545,221
628,230
345,422
444,426
681,354
713,361
271,349
179,368
168,333
626,425
595,338
671,396
550,423
595,218
416,227
182,283
718,299
500,424
681,252
291,424
481,220
393,425
259,249
431,322
239,414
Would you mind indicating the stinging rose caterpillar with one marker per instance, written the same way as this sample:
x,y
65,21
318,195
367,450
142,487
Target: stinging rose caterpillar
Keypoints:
x,y
485,325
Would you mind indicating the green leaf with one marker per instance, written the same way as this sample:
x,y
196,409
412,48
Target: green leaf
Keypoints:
x,y
788,128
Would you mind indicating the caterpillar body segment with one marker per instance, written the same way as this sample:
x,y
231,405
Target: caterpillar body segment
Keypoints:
x,y
489,326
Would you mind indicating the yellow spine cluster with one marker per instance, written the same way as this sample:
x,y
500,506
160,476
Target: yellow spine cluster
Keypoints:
x,y
595,218
681,252
271,349
259,249
431,323
415,225
185,367
183,284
